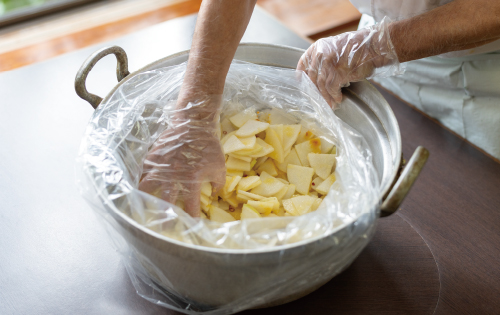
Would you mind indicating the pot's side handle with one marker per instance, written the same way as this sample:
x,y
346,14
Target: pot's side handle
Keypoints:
x,y
405,181
81,76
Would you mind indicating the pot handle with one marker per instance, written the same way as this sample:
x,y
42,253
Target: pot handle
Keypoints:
x,y
405,181
81,76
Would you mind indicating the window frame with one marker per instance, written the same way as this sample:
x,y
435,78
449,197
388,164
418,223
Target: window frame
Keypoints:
x,y
28,13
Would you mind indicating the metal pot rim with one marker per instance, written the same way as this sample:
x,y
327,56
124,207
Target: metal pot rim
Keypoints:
x,y
123,75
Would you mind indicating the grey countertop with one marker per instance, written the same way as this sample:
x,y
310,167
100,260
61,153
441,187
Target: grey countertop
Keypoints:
x,y
437,255
55,257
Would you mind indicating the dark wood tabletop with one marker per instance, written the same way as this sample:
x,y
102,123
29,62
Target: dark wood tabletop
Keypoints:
x,y
438,254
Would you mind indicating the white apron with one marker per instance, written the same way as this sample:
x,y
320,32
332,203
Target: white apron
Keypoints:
x,y
460,89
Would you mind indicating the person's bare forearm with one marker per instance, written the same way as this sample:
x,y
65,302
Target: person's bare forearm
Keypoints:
x,y
458,25
220,26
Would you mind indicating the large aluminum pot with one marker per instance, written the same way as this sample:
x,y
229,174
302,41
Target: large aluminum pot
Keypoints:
x,y
207,278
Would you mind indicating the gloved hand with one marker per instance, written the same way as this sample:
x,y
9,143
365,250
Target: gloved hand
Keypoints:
x,y
331,63
185,155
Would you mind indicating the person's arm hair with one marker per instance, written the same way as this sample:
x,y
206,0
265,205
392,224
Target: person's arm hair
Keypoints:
x,y
189,151
219,29
458,25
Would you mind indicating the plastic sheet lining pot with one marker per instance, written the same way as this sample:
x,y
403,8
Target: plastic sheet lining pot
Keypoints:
x,y
197,279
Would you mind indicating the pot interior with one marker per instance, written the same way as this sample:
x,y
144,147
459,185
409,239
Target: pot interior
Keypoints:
x,y
363,107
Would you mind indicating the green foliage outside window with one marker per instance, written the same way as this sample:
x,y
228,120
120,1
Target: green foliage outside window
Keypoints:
x,y
11,5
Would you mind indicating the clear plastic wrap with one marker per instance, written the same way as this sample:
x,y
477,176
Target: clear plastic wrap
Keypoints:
x,y
195,265
187,153
333,62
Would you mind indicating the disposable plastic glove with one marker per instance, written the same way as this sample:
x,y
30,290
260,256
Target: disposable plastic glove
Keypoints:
x,y
331,63
185,155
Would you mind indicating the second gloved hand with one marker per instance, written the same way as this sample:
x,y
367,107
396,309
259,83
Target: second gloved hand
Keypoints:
x,y
333,62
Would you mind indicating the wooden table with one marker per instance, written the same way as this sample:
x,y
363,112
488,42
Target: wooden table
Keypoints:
x,y
439,253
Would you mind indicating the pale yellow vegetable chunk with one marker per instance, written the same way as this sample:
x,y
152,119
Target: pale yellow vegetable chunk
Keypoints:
x,y
219,215
326,146
225,193
291,158
273,140
325,186
206,189
226,137
290,135
205,200
241,118
251,173
282,176
316,182
205,208
266,149
249,212
274,201
234,181
233,201
313,194
301,177
248,195
249,182
249,142
310,146
233,144
269,186
237,164
316,204
251,128
289,207
280,212
268,167
226,127
304,135
284,181
241,157
321,163
236,213
255,150
234,173
303,204
260,161
242,198
334,150
279,195
223,205
279,132
290,191
263,207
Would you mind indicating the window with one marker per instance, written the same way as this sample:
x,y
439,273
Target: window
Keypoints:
x,y
14,11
